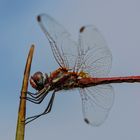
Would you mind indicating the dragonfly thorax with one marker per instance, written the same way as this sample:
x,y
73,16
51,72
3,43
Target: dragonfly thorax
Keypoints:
x,y
83,74
38,80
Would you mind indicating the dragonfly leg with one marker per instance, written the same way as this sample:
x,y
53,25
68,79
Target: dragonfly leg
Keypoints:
x,y
38,95
35,95
32,95
38,99
46,111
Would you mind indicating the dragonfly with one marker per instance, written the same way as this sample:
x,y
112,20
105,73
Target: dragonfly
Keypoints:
x,y
83,65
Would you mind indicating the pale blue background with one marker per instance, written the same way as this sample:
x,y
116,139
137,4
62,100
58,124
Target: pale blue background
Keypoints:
x,y
119,22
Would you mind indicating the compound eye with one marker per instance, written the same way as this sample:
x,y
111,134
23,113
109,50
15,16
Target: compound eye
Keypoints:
x,y
37,81
38,76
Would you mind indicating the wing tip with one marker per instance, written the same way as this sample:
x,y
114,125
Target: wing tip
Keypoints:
x,y
38,18
82,29
86,120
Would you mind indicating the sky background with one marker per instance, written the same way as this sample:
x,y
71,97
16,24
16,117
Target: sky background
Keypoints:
x,y
119,22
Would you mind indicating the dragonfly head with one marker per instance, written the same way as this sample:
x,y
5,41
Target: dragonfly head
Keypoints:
x,y
38,80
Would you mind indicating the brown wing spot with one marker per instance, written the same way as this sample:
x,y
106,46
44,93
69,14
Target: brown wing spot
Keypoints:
x,y
38,18
82,29
86,120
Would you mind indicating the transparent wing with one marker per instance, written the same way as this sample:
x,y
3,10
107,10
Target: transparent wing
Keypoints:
x,y
96,103
63,47
94,56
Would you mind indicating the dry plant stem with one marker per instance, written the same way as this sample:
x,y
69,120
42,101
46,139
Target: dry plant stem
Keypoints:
x,y
22,106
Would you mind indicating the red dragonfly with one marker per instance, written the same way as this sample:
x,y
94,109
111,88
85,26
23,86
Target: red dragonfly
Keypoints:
x,y
83,65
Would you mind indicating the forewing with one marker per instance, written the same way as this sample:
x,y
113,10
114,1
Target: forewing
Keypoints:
x,y
96,103
63,47
94,56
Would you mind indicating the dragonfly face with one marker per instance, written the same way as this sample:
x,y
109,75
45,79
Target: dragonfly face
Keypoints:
x,y
38,80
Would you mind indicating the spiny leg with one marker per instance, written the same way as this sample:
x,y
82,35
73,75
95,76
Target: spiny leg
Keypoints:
x,y
34,95
46,111
41,95
37,94
39,100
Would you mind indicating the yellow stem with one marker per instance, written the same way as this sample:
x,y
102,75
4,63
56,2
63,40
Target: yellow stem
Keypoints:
x,y
20,131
